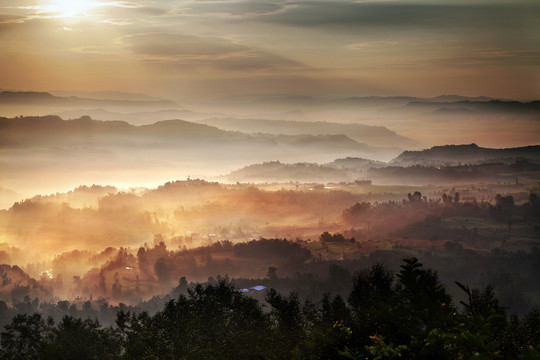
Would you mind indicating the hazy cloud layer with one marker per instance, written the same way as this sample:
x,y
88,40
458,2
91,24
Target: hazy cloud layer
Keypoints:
x,y
406,15
375,47
234,8
179,45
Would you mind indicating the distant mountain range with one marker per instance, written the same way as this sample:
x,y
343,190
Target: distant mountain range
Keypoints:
x,y
393,101
355,163
346,169
449,164
369,121
378,101
276,171
135,118
384,103
44,99
466,154
64,154
52,131
466,107
371,135
111,95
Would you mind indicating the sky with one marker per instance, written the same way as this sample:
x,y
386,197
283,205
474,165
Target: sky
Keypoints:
x,y
197,50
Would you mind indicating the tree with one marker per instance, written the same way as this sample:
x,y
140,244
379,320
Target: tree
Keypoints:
x,y
74,338
415,197
22,338
272,273
325,237
288,321
214,321
422,307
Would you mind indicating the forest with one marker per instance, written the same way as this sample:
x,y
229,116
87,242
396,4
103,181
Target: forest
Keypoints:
x,y
382,315
134,245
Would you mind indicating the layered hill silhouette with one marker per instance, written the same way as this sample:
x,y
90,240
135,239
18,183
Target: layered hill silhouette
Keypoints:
x,y
365,101
470,107
275,171
340,170
466,154
53,130
372,135
449,164
43,100
15,284
135,118
87,151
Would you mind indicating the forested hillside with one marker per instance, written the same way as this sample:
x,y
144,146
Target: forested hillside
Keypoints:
x,y
383,316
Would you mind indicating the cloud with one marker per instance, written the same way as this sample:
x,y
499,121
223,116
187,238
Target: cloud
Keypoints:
x,y
371,45
385,44
122,22
205,51
9,22
493,56
233,8
11,18
132,11
258,60
99,52
180,46
344,14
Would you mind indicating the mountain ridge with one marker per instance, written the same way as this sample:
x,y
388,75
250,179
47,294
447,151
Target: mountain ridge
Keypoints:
x,y
369,134
54,131
47,99
465,153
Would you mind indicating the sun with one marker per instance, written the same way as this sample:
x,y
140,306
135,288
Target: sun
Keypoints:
x,y
71,8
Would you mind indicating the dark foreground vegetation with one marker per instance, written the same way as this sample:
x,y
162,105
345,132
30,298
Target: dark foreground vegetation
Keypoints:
x,y
406,315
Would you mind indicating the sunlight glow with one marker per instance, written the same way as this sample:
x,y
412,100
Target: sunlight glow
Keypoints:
x,y
71,8
47,274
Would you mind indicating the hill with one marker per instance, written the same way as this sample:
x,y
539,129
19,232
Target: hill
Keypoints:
x,y
476,107
16,284
485,173
355,163
468,154
371,135
49,130
86,151
340,170
275,171
41,102
366,102
436,169
135,118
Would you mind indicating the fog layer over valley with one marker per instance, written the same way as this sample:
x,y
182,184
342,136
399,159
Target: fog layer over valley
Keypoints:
x,y
124,246
133,140
67,153
139,198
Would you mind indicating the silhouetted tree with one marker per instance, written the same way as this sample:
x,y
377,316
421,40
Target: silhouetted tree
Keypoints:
x,y
22,338
75,338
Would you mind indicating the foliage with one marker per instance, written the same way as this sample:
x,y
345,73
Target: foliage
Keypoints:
x,y
385,316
